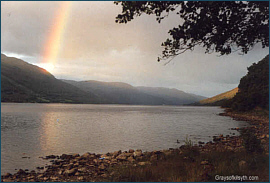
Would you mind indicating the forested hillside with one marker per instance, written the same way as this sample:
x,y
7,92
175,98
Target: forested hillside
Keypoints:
x,y
253,88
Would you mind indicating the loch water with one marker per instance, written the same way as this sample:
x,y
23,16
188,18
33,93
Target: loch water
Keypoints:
x,y
30,131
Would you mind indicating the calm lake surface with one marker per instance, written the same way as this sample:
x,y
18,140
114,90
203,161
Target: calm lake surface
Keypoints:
x,y
35,130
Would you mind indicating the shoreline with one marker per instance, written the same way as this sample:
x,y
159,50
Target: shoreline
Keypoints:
x,y
259,123
105,167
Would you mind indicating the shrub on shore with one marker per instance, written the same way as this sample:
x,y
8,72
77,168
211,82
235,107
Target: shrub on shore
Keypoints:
x,y
251,143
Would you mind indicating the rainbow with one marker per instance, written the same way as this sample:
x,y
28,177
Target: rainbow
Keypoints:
x,y
56,33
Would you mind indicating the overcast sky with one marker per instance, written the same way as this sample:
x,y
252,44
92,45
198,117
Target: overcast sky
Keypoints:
x,y
94,47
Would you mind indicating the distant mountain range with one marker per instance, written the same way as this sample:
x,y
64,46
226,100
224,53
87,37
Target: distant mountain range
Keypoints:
x,y
123,93
24,82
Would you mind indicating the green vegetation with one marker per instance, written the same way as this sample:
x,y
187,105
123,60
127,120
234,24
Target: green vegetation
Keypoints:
x,y
253,89
188,142
193,167
251,143
42,100
68,101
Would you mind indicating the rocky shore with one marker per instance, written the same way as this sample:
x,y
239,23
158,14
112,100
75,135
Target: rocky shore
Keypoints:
x,y
91,167
259,124
87,167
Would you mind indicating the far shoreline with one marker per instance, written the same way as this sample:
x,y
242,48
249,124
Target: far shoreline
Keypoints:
x,y
184,105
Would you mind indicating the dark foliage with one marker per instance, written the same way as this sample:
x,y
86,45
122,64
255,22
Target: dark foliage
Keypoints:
x,y
227,103
220,26
253,88
251,143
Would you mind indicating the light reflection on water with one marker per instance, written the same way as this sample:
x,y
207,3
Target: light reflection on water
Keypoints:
x,y
34,130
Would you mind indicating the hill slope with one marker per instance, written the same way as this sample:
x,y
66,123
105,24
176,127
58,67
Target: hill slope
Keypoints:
x,y
24,82
171,96
216,100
